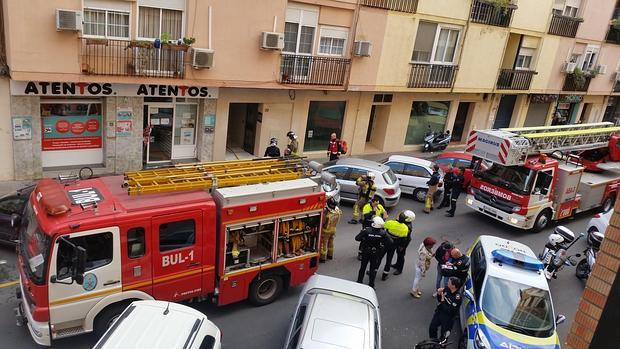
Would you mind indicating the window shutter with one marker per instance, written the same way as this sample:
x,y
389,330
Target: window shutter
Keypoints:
x,y
424,40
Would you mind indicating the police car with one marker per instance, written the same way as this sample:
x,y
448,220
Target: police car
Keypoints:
x,y
507,303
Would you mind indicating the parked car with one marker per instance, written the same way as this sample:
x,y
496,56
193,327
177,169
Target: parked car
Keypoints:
x,y
11,209
335,313
599,223
412,174
459,159
159,324
348,170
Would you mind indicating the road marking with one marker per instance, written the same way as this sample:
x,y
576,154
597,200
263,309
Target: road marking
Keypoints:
x,y
10,283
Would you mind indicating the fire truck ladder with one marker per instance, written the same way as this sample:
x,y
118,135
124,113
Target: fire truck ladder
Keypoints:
x,y
211,175
548,139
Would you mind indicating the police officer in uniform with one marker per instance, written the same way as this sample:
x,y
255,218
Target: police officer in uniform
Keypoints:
x,y
332,217
369,211
447,187
457,187
400,232
449,302
272,150
373,240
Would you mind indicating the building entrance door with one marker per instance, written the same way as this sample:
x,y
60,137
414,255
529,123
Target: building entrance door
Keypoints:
x,y
169,131
459,121
504,111
243,121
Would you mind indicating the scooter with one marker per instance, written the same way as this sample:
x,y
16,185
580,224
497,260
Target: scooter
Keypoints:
x,y
436,141
555,254
584,267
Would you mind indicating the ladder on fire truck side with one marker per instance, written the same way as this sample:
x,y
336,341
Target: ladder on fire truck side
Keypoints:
x,y
211,175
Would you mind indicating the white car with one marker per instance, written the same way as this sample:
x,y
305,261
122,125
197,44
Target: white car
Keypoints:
x,y
599,223
412,174
335,313
159,324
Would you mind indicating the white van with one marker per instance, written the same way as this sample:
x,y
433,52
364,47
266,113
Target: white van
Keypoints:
x,y
161,325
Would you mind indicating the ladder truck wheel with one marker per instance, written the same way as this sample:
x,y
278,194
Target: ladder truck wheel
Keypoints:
x,y
265,289
608,204
542,220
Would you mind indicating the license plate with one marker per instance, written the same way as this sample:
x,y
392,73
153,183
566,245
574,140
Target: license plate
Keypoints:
x,y
490,210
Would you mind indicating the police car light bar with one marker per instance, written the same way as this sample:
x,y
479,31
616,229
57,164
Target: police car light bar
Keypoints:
x,y
517,259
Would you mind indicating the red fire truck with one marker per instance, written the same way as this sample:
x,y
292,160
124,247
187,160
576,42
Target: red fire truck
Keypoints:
x,y
89,248
538,173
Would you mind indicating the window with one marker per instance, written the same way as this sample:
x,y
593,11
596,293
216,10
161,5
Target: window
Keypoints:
x,y
424,115
478,269
299,320
135,242
175,235
382,98
524,59
397,167
299,29
570,11
340,172
445,161
589,58
424,42
106,23
99,248
543,181
416,171
435,43
12,205
155,22
356,173
333,41
324,117
463,163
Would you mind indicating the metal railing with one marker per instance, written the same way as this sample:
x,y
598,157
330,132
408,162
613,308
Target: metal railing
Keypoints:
x,y
313,70
564,25
132,58
491,14
432,75
409,6
510,79
571,85
613,35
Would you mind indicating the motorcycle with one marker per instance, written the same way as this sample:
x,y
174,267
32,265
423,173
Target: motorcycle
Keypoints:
x,y
555,254
435,140
584,267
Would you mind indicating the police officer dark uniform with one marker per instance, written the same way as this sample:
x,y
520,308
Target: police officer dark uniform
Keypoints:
x,y
449,302
447,188
400,232
457,266
457,188
373,241
272,150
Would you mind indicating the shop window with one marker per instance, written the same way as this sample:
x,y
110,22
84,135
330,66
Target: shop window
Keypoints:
x,y
136,244
185,124
99,248
424,115
298,236
324,117
106,23
174,235
249,245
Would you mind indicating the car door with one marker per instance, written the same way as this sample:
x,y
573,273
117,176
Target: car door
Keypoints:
x,y
347,190
398,168
417,175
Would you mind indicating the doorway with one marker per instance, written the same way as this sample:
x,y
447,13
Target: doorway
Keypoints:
x,y
377,128
459,122
504,111
243,119
169,131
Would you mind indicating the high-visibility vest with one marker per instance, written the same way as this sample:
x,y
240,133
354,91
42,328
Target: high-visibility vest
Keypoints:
x,y
397,229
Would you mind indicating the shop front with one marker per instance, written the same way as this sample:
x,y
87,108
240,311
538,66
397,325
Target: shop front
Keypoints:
x,y
424,116
612,110
539,108
566,110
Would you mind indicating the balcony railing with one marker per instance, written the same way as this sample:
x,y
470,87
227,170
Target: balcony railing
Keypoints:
x,y
313,70
491,14
613,35
570,84
432,76
131,58
515,79
564,25
410,6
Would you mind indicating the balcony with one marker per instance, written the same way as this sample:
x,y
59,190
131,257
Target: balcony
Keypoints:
x,y
564,25
515,79
132,58
409,6
613,35
432,76
313,70
571,83
487,13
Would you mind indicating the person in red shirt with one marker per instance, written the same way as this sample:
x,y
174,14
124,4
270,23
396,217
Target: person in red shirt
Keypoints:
x,y
333,149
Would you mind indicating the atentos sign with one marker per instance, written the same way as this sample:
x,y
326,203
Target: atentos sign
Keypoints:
x,y
96,89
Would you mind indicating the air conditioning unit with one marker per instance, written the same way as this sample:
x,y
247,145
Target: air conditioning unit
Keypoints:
x,y
362,48
68,20
202,58
569,68
617,76
271,41
602,69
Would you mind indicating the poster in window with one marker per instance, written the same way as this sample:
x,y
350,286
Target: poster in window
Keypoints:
x,y
124,122
71,132
22,128
187,136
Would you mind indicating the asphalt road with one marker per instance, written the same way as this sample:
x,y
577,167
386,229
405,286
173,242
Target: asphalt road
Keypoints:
x,y
404,319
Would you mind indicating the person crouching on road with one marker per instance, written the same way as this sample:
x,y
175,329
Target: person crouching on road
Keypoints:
x,y
457,187
449,302
333,148
272,150
332,217
425,254
366,190
442,255
369,211
373,240
433,184
400,233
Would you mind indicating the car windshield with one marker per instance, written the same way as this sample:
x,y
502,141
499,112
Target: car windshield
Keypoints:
x,y
389,177
518,307
34,246
516,178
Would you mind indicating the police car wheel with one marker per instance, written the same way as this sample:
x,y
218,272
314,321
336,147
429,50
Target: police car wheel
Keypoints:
x,y
541,222
265,289
419,194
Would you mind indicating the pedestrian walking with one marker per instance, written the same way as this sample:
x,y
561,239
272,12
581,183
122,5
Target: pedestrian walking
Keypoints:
x,y
366,189
332,217
433,184
401,236
457,266
334,148
442,255
373,240
425,255
457,187
447,188
449,302
272,150
292,149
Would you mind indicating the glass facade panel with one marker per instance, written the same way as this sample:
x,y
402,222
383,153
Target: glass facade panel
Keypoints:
x,y
423,115
324,117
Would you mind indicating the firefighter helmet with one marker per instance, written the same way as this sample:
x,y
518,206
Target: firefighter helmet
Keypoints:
x,y
291,135
371,175
377,222
273,141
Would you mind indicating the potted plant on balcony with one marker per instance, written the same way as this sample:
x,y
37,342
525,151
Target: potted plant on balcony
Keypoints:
x,y
579,78
615,23
140,43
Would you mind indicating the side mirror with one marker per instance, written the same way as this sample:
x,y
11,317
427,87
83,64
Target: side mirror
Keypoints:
x,y
79,264
560,319
15,219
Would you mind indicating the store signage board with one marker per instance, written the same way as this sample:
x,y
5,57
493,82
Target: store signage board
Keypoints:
x,y
71,132
96,89
124,122
22,128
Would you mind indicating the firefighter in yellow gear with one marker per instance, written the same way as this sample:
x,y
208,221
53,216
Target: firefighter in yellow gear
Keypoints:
x,y
400,231
433,183
292,149
366,190
332,217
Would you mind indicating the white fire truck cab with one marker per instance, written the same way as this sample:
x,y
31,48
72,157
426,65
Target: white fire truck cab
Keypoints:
x,y
541,174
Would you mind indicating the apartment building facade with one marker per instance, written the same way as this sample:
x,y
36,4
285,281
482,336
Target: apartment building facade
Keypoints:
x,y
117,85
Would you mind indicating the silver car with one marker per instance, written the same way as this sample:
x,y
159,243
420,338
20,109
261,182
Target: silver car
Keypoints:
x,y
348,170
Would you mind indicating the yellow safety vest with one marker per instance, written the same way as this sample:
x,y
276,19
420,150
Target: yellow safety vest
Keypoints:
x,y
368,208
395,228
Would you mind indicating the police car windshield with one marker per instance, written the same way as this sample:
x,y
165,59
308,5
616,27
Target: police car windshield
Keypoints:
x,y
518,307
515,178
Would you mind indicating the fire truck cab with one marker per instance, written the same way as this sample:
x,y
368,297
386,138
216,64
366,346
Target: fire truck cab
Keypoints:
x,y
88,249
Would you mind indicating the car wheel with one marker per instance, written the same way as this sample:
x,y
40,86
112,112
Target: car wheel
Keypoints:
x,y
582,271
542,220
265,289
419,194
609,203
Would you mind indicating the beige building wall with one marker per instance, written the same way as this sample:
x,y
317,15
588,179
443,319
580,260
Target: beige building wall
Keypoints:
x,y
596,17
398,44
604,83
532,15
371,26
6,132
445,9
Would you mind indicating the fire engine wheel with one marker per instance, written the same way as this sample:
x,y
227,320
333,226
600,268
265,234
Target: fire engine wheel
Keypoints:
x,y
107,317
609,202
542,220
419,194
265,289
